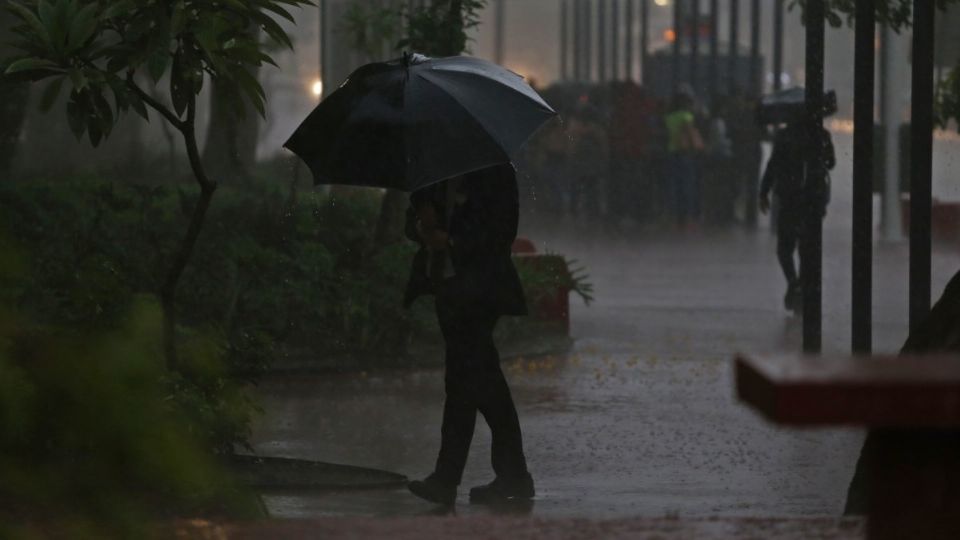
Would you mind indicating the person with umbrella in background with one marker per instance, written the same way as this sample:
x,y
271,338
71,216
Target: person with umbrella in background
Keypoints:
x,y
785,176
445,129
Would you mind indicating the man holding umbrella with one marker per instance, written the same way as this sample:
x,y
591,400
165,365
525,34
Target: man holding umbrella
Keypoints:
x,y
466,227
445,129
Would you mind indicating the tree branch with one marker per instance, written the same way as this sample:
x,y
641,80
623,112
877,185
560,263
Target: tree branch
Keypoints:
x,y
154,104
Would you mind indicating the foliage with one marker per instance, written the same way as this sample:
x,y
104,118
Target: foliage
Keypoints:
x,y
98,47
372,28
95,443
897,14
435,30
272,274
268,270
439,28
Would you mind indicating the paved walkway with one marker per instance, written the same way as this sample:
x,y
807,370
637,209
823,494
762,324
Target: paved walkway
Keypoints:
x,y
640,418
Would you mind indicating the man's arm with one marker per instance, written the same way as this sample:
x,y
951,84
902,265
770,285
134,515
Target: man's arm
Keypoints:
x,y
829,154
770,174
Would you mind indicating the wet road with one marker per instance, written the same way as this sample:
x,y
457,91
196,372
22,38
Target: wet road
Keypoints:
x,y
640,418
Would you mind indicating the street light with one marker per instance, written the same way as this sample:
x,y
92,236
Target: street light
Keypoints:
x,y
317,88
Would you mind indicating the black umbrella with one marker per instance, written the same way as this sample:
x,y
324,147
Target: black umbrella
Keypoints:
x,y
789,106
408,123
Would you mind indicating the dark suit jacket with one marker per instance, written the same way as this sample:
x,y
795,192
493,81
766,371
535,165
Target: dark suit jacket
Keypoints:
x,y
482,228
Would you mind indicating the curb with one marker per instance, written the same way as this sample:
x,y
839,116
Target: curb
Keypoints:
x,y
277,472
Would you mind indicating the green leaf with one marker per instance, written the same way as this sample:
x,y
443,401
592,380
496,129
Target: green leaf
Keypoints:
x,y
32,21
78,79
51,93
31,64
82,27
177,19
118,8
274,30
270,6
76,118
104,114
180,90
94,131
157,64
137,105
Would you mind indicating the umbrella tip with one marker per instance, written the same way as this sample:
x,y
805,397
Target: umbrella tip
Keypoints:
x,y
412,59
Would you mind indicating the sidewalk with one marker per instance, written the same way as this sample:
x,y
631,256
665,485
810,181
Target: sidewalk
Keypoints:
x,y
559,529
639,419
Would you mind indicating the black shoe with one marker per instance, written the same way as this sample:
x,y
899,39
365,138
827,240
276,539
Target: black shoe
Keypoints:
x,y
434,490
793,300
502,489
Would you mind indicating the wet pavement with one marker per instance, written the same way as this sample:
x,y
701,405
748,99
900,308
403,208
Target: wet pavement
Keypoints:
x,y
640,418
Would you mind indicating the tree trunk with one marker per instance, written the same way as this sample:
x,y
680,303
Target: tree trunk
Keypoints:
x,y
168,291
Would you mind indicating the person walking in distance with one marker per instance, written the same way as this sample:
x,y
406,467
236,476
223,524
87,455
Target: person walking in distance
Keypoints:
x,y
786,176
466,227
684,144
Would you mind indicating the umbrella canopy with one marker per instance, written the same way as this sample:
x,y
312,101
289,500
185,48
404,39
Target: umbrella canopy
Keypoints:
x,y
408,123
788,106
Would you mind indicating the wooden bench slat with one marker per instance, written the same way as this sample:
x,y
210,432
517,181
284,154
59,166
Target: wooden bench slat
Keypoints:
x,y
892,391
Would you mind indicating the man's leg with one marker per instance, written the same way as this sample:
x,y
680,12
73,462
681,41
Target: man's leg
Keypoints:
x,y
459,409
788,238
496,404
787,243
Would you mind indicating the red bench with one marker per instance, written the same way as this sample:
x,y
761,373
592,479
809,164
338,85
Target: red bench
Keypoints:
x,y
912,406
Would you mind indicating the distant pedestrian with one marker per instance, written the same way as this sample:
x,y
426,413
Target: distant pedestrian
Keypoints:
x,y
786,177
631,178
684,144
589,160
718,186
466,227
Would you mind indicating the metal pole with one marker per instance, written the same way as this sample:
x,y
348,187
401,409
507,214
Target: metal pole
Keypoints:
x,y
893,60
754,84
811,243
564,41
676,79
644,39
864,78
500,7
628,42
602,40
577,40
588,40
921,155
615,36
694,19
777,45
324,83
714,75
734,46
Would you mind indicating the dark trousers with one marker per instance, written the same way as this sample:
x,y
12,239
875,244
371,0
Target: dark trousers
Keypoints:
x,y
474,382
682,172
789,229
